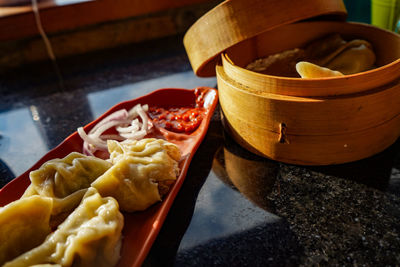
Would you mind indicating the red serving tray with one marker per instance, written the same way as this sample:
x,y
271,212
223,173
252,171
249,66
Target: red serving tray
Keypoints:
x,y
140,228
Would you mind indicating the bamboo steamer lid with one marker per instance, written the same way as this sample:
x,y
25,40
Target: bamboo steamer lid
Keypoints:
x,y
234,21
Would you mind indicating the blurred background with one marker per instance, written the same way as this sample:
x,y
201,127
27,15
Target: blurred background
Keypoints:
x,y
358,10
76,27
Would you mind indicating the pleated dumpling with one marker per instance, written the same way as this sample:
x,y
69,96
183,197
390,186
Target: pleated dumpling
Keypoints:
x,y
62,177
24,224
347,57
354,57
90,236
66,181
141,174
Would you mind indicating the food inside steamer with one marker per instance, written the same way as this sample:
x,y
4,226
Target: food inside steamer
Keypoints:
x,y
328,56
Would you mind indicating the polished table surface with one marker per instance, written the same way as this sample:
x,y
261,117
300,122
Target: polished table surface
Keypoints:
x,y
234,208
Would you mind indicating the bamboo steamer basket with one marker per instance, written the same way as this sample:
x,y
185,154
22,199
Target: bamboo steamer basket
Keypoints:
x,y
306,121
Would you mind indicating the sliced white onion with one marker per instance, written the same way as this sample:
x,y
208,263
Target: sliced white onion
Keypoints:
x,y
87,149
134,136
121,114
108,125
133,111
95,141
144,118
126,124
135,126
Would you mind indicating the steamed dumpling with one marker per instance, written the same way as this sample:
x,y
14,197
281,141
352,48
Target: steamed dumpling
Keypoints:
x,y
322,50
62,177
356,56
24,224
142,172
347,57
309,70
330,51
66,181
90,236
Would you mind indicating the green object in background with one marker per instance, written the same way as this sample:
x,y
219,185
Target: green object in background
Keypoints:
x,y
385,13
397,26
358,10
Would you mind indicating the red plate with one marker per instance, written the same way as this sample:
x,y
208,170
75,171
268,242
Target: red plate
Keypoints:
x,y
140,228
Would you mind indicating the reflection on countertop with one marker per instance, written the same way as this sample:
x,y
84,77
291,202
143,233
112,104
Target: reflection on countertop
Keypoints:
x,y
234,208
343,214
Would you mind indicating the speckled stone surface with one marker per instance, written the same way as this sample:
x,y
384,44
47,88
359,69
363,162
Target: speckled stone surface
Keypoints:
x,y
234,208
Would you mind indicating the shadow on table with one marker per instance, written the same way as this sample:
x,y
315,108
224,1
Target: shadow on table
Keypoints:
x,y
167,243
375,171
269,244
6,174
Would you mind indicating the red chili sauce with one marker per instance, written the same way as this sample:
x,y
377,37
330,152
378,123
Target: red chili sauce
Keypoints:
x,y
180,119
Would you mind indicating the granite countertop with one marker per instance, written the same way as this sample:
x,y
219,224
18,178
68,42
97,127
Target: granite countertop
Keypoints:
x,y
234,208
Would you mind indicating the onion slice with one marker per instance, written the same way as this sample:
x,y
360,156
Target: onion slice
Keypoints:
x,y
126,123
121,114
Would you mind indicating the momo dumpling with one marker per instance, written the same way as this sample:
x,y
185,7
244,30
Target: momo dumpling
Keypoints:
x,y
66,181
322,50
309,70
24,224
347,57
62,177
90,236
141,174
331,52
356,56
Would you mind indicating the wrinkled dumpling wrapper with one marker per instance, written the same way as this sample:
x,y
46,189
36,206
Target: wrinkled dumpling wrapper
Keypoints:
x,y
357,56
24,224
347,57
62,177
66,181
90,236
142,172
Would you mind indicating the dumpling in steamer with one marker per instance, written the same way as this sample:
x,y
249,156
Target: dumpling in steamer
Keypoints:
x,y
141,174
331,52
347,57
90,236
309,70
24,224
66,181
356,56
